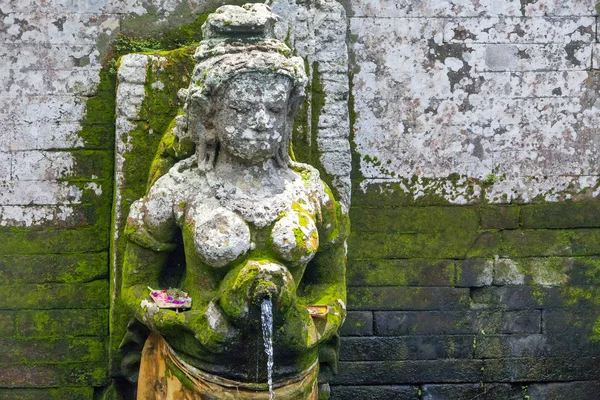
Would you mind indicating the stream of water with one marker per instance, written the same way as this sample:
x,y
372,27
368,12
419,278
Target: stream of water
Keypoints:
x,y
266,317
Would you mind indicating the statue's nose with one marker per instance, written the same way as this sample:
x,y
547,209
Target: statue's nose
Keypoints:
x,y
261,120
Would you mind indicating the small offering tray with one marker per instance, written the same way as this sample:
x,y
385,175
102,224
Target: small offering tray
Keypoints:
x,y
171,298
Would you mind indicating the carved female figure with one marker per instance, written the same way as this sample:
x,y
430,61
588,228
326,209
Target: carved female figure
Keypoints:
x,y
254,224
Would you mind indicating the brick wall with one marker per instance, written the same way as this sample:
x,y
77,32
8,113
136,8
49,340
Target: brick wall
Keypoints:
x,y
451,302
473,264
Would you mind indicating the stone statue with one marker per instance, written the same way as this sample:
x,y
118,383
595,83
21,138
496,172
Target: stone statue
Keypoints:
x,y
255,225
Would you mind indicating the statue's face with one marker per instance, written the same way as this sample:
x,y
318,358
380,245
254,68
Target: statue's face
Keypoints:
x,y
251,115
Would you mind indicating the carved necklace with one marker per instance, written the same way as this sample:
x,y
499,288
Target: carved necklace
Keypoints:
x,y
258,210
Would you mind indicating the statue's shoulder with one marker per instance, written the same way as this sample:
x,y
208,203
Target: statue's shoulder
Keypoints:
x,y
183,180
317,188
309,174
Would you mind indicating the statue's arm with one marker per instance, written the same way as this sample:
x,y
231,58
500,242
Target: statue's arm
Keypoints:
x,y
324,281
142,267
150,232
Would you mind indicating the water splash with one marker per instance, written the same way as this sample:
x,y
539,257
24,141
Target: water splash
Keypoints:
x,y
266,317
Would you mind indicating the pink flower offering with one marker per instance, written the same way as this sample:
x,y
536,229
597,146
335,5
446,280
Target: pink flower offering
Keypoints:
x,y
171,298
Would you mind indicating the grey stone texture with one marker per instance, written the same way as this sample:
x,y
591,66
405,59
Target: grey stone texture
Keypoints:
x,y
490,104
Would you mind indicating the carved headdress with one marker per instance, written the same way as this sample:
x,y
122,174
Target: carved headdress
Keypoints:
x,y
237,40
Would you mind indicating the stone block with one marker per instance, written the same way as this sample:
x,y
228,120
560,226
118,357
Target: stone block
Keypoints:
x,y
502,346
565,242
38,192
541,369
48,56
406,348
470,391
53,268
358,323
415,272
29,241
62,323
66,393
517,297
407,298
500,217
576,214
395,323
540,84
414,219
474,272
530,57
48,216
584,270
58,350
564,390
55,296
576,325
53,375
348,392
374,193
509,322
508,272
408,372
519,29
56,109
542,271
487,244
378,245
21,136
60,165
7,323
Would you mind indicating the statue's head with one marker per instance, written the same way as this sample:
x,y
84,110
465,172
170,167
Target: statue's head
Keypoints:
x,y
245,87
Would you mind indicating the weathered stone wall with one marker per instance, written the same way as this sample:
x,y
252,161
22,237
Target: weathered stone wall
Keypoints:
x,y
474,262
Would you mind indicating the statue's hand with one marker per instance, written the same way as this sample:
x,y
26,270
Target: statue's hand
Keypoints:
x,y
244,288
297,330
209,325
212,328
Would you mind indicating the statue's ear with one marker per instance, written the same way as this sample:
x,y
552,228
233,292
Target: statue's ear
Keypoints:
x,y
198,106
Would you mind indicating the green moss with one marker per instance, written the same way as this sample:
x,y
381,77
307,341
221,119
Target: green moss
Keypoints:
x,y
490,179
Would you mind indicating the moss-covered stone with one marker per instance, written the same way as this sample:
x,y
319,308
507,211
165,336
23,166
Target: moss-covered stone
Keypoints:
x,y
500,216
65,393
566,242
414,272
414,219
62,323
52,240
487,244
7,323
55,268
91,165
58,350
407,298
54,374
528,369
376,245
572,214
55,296
411,191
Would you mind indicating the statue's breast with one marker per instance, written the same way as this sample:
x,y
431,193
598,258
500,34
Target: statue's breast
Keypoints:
x,y
221,232
295,237
220,235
